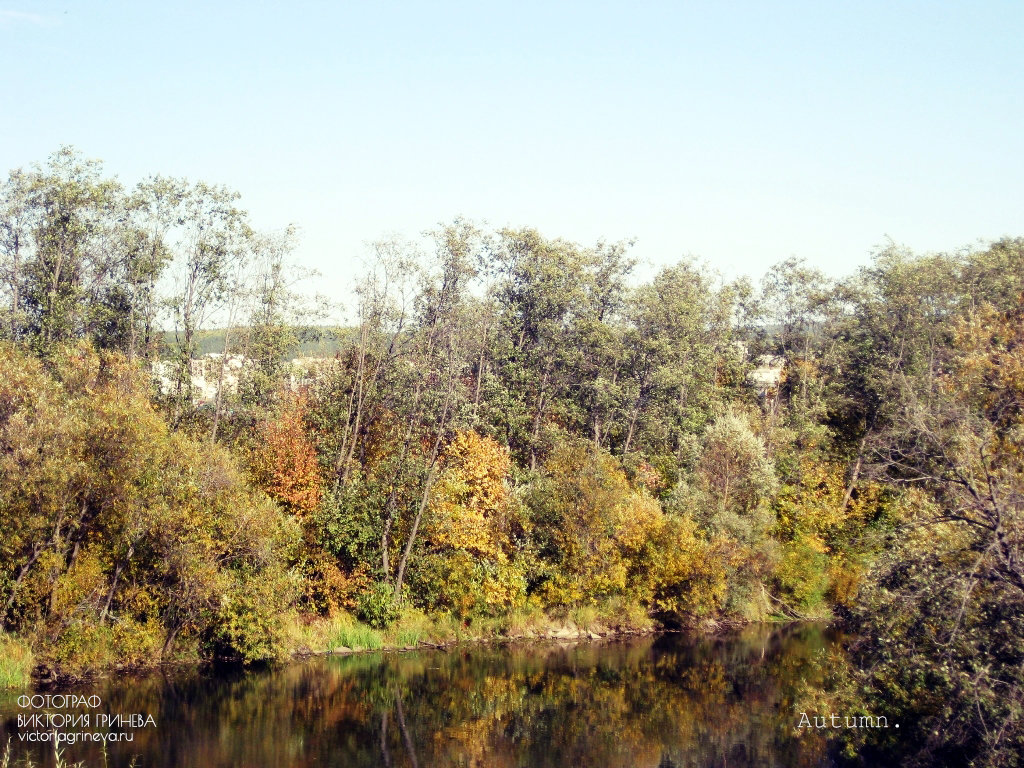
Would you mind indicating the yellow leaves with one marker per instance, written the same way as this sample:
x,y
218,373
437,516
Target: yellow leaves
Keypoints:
x,y
610,538
471,497
814,504
466,530
459,527
481,466
639,519
686,574
988,372
82,583
845,579
803,570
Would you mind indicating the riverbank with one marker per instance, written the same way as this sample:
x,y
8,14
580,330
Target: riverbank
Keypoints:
x,y
306,636
16,663
343,634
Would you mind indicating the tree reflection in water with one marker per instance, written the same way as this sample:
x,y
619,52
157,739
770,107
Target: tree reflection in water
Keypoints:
x,y
670,700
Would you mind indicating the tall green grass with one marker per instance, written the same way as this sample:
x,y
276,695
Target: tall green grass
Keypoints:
x,y
349,633
16,663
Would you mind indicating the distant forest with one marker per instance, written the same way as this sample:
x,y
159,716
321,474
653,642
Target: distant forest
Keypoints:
x,y
310,341
512,430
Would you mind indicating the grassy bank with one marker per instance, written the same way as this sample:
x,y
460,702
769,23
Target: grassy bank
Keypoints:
x,y
344,633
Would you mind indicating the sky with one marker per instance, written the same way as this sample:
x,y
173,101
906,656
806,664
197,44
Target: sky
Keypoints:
x,y
737,133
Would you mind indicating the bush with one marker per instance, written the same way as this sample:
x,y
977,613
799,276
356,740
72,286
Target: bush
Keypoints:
x,y
378,606
249,625
802,572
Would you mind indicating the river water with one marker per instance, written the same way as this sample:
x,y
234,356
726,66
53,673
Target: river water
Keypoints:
x,y
658,701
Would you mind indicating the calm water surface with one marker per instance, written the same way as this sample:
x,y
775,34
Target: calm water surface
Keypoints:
x,y
669,700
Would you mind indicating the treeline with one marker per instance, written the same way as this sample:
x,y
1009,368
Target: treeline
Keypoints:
x,y
512,424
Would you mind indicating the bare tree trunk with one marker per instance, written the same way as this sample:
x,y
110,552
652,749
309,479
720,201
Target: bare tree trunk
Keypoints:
x,y
343,449
480,370
538,414
855,474
632,426
425,498
15,288
37,550
113,583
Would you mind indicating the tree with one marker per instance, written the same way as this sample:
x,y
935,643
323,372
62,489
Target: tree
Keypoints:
x,y
679,343
944,620
124,535
210,242
467,565
284,462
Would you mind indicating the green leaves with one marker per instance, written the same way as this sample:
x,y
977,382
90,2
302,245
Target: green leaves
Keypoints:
x,y
110,517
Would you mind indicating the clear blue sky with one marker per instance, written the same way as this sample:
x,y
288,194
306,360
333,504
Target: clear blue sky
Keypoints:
x,y
742,133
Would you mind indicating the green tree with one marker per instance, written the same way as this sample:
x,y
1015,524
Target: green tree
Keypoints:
x,y
125,535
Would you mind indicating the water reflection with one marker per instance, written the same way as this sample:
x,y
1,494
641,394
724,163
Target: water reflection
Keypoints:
x,y
663,701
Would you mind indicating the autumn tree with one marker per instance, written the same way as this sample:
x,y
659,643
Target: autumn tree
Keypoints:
x,y
949,599
126,535
284,461
468,563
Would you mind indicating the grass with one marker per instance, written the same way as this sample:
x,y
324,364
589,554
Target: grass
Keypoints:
x,y
414,628
613,614
16,663
59,761
346,632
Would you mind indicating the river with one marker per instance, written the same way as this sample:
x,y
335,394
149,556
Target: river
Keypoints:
x,y
658,701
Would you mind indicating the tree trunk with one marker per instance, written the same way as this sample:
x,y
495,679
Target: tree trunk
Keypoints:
x,y
855,474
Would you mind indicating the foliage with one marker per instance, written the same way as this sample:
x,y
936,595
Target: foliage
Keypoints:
x,y
733,482
378,606
509,426
250,621
284,462
122,524
469,563
946,617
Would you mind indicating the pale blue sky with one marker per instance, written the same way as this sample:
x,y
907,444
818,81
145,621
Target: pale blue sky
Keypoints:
x,y
742,133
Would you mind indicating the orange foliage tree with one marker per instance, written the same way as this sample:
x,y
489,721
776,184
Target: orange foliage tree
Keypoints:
x,y
284,461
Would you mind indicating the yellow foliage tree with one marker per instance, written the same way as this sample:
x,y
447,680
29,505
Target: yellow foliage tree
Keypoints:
x,y
611,539
123,535
467,567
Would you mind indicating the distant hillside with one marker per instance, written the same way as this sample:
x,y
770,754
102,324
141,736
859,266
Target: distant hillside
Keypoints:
x,y
314,341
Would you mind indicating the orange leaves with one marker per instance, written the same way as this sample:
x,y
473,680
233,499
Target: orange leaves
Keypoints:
x,y
284,461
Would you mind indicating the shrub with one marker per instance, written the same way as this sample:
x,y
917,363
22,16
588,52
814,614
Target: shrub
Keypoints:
x,y
248,626
378,606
